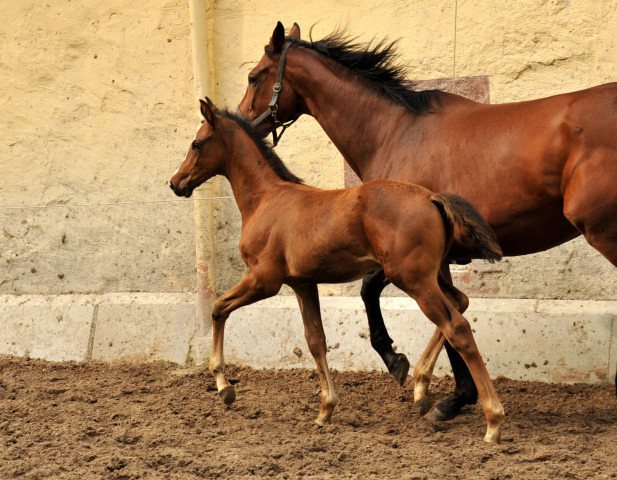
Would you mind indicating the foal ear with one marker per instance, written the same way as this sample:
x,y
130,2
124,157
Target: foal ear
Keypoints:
x,y
207,110
295,31
278,38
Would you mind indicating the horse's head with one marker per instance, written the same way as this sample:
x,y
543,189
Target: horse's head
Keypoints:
x,y
206,155
270,99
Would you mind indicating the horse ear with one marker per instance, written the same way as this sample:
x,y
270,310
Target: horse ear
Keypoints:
x,y
295,31
278,38
207,110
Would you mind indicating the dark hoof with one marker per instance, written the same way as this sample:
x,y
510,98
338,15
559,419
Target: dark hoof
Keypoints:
x,y
437,416
400,368
228,394
423,406
432,425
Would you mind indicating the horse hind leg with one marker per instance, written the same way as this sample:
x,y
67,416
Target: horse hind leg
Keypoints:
x,y
397,363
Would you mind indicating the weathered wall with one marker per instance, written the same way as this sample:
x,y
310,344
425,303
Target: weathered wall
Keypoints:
x,y
96,107
528,49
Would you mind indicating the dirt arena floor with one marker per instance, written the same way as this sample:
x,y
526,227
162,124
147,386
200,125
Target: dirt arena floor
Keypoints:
x,y
150,421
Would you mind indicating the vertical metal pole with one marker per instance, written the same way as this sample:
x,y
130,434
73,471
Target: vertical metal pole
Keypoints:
x,y
204,223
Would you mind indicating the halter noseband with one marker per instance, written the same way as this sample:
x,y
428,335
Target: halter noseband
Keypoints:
x,y
273,106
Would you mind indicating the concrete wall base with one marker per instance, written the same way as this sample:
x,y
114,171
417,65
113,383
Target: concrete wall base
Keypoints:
x,y
547,340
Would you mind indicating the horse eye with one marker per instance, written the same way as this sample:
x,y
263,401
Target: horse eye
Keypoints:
x,y
195,146
252,80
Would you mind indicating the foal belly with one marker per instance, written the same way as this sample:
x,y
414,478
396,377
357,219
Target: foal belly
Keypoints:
x,y
333,268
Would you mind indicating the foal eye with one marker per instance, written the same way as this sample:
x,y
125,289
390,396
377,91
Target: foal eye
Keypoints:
x,y
252,80
195,146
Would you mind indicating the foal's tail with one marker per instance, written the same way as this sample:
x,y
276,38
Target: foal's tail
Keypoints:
x,y
470,229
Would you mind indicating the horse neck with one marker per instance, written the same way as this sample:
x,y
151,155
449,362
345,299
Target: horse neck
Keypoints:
x,y
332,96
248,172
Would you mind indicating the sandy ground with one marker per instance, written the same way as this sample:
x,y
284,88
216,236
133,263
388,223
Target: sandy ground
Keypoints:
x,y
150,421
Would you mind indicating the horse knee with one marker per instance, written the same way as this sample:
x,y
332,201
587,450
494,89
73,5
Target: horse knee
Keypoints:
x,y
218,314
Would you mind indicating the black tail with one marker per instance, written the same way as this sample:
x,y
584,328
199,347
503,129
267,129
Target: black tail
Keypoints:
x,y
470,229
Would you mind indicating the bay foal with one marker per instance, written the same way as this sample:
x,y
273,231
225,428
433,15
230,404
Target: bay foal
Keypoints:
x,y
299,235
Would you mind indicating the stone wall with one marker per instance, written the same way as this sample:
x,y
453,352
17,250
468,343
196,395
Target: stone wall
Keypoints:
x,y
97,110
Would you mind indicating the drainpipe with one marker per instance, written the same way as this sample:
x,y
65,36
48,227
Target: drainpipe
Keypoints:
x,y
201,344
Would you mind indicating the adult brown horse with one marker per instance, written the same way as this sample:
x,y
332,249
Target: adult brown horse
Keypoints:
x,y
299,235
541,172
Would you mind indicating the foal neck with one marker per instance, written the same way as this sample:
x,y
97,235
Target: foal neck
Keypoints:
x,y
248,172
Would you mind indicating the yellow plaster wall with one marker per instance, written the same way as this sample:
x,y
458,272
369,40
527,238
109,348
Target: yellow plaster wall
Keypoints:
x,y
97,107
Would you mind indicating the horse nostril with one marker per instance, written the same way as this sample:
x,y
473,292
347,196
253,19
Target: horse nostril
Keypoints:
x,y
171,185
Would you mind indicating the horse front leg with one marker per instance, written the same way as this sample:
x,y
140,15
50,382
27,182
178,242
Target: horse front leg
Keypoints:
x,y
308,300
249,290
397,363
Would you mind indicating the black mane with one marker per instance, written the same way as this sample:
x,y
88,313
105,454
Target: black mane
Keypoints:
x,y
265,148
376,62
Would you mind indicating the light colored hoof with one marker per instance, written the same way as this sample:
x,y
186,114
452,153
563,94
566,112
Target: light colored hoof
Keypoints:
x,y
423,406
323,418
228,394
493,435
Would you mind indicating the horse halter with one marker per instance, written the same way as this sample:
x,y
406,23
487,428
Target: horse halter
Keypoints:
x,y
273,106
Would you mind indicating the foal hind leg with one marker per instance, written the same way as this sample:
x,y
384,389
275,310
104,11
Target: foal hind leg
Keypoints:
x,y
397,363
308,300
248,291
456,329
465,392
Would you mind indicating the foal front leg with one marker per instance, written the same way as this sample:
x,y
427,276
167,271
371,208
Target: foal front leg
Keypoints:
x,y
308,300
248,291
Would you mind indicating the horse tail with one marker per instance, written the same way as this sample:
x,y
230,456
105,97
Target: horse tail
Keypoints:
x,y
470,229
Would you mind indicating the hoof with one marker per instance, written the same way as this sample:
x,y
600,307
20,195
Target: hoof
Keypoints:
x,y
433,426
324,417
493,436
400,369
437,416
322,422
228,394
423,406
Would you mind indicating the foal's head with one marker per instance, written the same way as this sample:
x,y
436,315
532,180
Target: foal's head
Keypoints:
x,y
206,156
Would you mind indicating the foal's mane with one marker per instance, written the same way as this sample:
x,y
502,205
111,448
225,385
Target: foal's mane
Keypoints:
x,y
264,147
375,61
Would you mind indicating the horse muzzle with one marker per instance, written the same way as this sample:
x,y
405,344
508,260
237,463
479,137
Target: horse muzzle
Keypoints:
x,y
184,191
